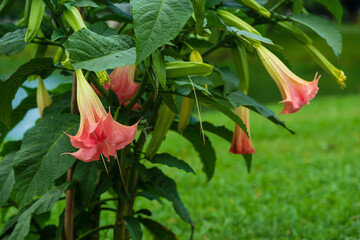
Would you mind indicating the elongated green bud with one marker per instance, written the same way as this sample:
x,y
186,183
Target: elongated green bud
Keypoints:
x,y
35,18
42,96
182,69
5,6
233,21
256,7
241,65
294,31
159,68
162,126
58,55
188,103
336,74
199,10
73,17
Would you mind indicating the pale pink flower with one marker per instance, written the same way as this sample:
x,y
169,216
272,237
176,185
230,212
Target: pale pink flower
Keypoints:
x,y
295,91
241,144
122,83
98,132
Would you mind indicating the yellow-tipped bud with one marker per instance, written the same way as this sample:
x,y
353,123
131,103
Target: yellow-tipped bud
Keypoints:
x,y
35,18
103,77
195,56
42,96
256,7
335,73
183,69
73,17
162,125
233,21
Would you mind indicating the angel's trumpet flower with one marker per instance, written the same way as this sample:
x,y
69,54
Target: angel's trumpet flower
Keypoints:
x,y
241,144
98,132
295,91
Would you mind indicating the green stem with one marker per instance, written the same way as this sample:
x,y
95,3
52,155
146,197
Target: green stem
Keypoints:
x,y
95,230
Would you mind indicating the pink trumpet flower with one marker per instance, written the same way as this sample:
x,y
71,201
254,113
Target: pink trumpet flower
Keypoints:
x,y
98,132
241,144
122,83
295,91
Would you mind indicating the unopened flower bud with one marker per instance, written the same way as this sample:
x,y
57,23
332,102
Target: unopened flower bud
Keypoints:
x,y
35,18
42,96
183,69
162,125
233,21
73,17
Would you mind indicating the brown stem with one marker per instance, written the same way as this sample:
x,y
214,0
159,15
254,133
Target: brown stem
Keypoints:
x,y
70,193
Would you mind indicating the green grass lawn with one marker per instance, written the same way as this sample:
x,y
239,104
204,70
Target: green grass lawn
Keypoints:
x,y
303,186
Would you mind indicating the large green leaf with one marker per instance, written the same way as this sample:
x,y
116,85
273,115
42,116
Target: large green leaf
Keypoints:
x,y
37,66
39,161
44,204
91,51
157,230
87,176
133,226
171,161
13,42
245,34
7,178
334,6
166,187
157,22
322,27
202,145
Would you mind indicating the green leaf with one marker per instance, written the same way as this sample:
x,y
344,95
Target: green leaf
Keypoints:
x,y
39,161
44,204
103,29
7,179
87,176
37,66
10,146
93,52
149,196
334,6
203,146
243,33
59,105
7,27
238,98
214,21
157,22
133,226
157,230
171,161
166,187
231,80
84,3
13,42
122,9
170,102
221,131
322,27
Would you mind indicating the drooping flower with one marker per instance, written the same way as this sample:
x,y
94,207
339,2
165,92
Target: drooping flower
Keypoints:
x,y
98,132
295,91
122,83
241,144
